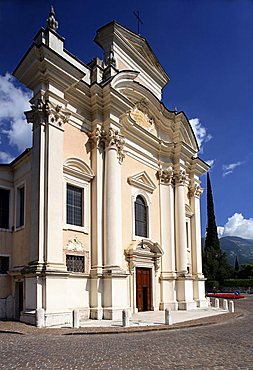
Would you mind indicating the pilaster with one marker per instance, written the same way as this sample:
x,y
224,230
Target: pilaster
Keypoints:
x,y
184,280
199,280
168,274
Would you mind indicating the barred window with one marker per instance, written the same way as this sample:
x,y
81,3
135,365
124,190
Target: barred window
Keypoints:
x,y
74,205
141,217
4,208
4,264
75,263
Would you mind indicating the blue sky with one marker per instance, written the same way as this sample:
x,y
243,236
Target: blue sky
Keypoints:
x,y
206,47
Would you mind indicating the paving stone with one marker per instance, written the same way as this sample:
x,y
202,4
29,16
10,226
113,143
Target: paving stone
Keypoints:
x,y
227,344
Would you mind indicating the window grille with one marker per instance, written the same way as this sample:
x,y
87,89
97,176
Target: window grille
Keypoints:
x,y
75,263
4,264
74,205
4,208
141,227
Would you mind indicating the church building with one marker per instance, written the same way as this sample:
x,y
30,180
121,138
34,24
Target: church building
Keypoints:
x,y
102,214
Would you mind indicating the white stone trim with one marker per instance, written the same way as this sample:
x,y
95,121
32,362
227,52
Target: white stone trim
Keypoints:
x,y
142,181
84,185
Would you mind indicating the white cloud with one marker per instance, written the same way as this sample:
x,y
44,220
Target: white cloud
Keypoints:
x,y
13,102
237,225
200,132
210,162
229,168
5,157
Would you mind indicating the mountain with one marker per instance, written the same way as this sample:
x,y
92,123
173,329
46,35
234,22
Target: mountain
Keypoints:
x,y
235,246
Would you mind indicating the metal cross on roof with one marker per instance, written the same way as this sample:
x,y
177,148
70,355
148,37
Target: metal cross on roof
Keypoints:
x,y
137,15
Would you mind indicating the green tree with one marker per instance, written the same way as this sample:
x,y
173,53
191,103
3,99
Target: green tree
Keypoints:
x,y
246,271
215,266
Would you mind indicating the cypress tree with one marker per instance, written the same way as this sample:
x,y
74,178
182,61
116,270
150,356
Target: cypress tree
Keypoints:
x,y
236,264
215,266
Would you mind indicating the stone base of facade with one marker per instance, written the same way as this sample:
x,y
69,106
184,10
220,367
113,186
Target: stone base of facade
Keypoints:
x,y
28,317
168,284
202,303
173,306
187,305
114,313
96,313
185,293
41,319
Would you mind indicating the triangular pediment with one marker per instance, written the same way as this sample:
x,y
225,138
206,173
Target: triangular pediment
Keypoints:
x,y
142,181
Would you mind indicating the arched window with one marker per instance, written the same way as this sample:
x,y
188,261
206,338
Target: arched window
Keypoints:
x,y
141,217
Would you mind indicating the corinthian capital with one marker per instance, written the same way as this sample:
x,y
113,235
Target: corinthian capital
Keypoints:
x,y
97,137
165,176
195,190
181,178
111,139
39,112
116,141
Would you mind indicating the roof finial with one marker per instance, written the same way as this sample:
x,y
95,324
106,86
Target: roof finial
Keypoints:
x,y
111,59
51,22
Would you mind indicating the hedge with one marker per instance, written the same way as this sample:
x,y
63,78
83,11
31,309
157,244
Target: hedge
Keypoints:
x,y
238,283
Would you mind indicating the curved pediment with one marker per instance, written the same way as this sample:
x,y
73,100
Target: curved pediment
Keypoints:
x,y
145,246
186,132
78,168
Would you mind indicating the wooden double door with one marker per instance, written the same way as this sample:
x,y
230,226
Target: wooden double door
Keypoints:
x,y
143,288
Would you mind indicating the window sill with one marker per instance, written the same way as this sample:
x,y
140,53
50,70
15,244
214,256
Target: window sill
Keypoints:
x,y
80,229
7,230
136,237
19,228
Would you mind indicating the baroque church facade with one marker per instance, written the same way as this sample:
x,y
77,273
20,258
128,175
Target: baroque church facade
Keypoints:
x,y
103,212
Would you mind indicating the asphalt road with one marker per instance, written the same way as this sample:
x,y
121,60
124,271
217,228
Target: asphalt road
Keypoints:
x,y
227,345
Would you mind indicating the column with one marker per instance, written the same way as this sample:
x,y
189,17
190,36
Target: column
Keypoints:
x,y
168,275
199,280
181,240
184,280
115,294
112,210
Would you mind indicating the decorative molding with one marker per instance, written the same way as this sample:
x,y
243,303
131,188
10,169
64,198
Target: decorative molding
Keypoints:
x,y
195,190
78,169
140,114
165,176
142,181
146,252
110,138
44,112
188,211
75,245
58,115
181,178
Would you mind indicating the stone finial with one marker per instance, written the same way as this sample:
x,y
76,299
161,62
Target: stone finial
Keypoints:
x,y
51,21
111,59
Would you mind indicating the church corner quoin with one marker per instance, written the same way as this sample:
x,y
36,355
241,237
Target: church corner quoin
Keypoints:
x,y
102,214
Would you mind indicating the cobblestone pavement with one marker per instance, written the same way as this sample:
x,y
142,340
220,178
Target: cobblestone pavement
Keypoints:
x,y
224,346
